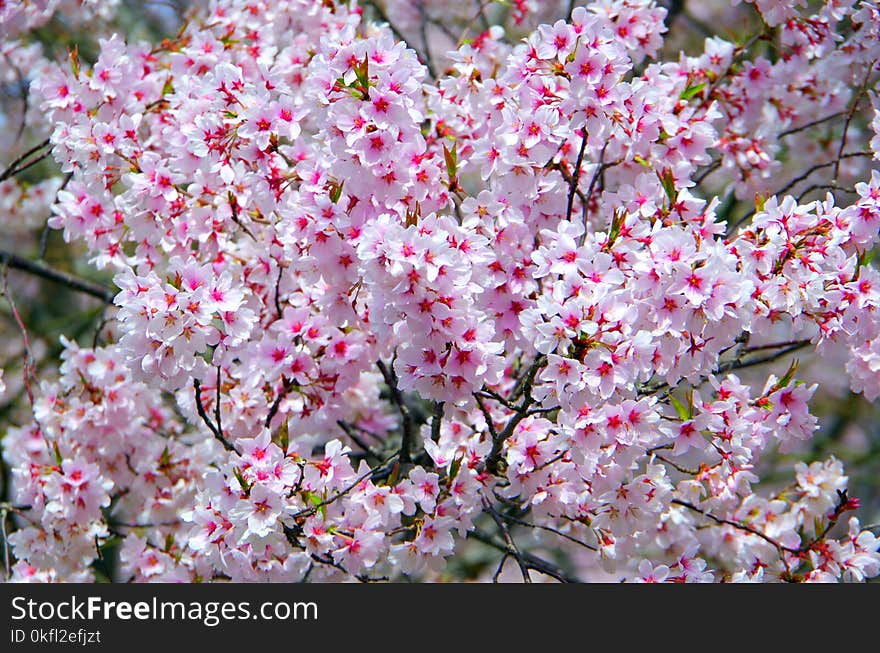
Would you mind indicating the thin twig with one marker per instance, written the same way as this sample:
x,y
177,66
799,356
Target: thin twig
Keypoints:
x,y
508,538
44,236
532,561
548,529
487,416
350,432
739,365
273,409
794,182
307,512
813,123
849,116
525,388
18,165
29,361
734,524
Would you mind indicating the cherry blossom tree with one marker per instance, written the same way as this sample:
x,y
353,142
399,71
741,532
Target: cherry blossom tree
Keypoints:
x,y
468,289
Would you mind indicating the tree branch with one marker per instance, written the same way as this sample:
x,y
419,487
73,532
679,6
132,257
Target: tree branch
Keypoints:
x,y
407,426
207,420
531,561
576,176
734,524
17,262
21,163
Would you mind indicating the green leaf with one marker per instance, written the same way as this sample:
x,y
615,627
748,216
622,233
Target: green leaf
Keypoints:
x,y
362,72
241,480
692,91
455,468
667,180
412,217
680,408
73,53
451,157
317,501
789,375
165,458
616,225
336,191
58,458
283,436
110,542
760,201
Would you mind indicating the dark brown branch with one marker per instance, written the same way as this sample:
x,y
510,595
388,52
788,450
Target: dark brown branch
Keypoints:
x,y
576,176
22,163
6,564
372,472
532,561
819,166
508,538
736,364
794,182
273,409
17,262
217,417
29,362
598,172
207,420
813,123
849,116
826,187
839,509
519,522
487,393
437,420
490,424
407,425
500,567
676,466
423,34
526,379
354,437
525,388
708,170
773,345
332,563
278,310
739,365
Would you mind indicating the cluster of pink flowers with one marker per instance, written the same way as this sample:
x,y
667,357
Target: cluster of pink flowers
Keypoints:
x,y
17,16
376,302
